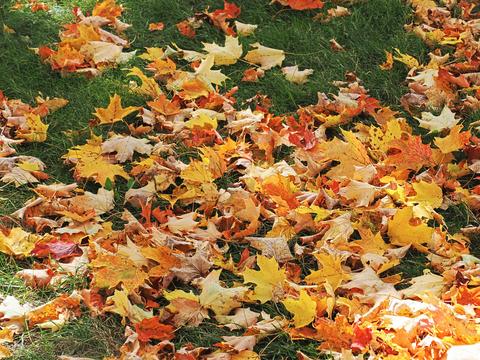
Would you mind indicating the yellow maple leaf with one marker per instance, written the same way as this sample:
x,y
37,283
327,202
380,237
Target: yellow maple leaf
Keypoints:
x,y
119,304
406,59
35,130
114,111
217,298
91,164
197,172
454,141
225,55
148,87
402,232
202,121
427,194
264,56
268,280
319,212
152,54
18,242
111,270
331,272
303,309
350,154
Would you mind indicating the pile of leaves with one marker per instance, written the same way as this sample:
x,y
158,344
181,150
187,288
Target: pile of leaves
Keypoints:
x,y
231,207
85,46
19,122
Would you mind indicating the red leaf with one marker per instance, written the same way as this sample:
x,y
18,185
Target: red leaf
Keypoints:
x,y
305,4
57,249
361,338
152,328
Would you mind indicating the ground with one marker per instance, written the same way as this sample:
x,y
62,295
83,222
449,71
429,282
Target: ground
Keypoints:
x,y
374,26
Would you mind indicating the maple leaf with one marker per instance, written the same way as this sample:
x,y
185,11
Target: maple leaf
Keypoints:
x,y
245,29
186,28
409,154
226,55
454,141
193,89
402,232
388,64
374,290
194,266
35,277
426,284
57,249
219,17
269,280
102,52
205,75
296,76
90,163
148,87
217,298
446,120
156,26
428,194
282,190
186,307
163,106
17,242
107,9
119,304
303,309
125,146
301,4
152,328
111,270
276,247
331,272
163,256
363,193
264,56
350,154
406,59
114,111
242,318
35,130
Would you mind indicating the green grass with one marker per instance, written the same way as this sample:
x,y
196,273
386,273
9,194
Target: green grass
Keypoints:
x,y
373,27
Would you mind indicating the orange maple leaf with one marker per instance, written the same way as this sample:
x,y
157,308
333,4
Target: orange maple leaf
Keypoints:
x,y
409,154
153,329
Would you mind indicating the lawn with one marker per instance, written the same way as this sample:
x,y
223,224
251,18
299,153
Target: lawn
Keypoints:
x,y
373,27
